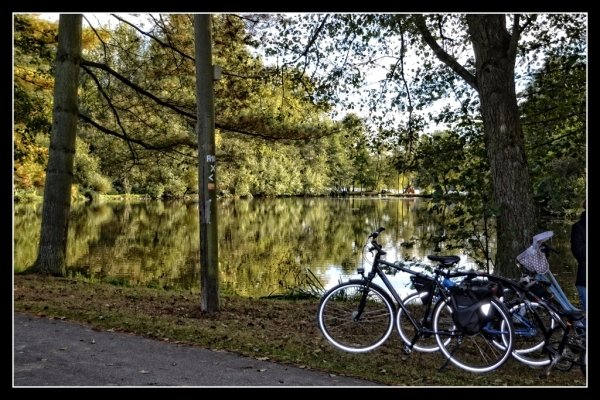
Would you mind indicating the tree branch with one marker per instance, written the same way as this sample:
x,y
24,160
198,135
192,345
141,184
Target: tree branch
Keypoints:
x,y
441,54
555,139
145,145
155,38
312,39
136,88
269,137
514,38
110,104
545,121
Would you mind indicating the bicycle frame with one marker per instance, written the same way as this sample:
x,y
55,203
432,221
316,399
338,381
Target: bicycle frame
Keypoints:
x,y
377,271
559,295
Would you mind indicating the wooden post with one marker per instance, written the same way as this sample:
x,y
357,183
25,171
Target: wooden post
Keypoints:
x,y
207,161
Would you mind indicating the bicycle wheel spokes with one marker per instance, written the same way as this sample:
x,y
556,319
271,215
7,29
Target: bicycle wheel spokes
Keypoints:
x,y
474,353
341,324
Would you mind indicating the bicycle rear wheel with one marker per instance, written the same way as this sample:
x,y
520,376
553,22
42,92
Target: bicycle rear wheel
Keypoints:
x,y
349,328
474,353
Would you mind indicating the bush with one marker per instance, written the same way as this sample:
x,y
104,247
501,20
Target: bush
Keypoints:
x,y
29,195
175,188
155,190
100,183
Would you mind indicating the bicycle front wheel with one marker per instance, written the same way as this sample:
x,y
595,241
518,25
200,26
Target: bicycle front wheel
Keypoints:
x,y
583,360
530,340
355,318
422,313
474,353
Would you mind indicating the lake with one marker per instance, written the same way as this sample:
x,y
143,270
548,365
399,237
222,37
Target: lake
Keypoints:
x,y
266,245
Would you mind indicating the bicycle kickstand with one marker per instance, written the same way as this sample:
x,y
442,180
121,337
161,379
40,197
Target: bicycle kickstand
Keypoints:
x,y
458,342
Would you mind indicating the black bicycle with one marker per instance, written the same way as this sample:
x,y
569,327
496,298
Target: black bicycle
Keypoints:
x,y
570,350
358,316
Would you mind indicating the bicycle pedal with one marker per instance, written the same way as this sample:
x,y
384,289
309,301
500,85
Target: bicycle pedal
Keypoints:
x,y
407,350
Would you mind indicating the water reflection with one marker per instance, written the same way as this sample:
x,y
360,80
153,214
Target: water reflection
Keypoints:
x,y
265,245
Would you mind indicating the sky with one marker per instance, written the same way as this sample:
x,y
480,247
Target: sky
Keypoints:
x,y
94,18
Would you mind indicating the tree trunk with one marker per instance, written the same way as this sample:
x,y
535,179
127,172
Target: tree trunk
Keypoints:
x,y
59,173
504,141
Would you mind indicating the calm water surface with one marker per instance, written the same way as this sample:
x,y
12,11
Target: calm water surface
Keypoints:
x,y
265,245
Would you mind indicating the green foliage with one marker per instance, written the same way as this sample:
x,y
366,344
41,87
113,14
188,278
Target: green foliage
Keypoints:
x,y
155,190
87,172
29,195
555,126
453,167
34,46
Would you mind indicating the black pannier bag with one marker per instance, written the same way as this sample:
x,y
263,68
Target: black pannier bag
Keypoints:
x,y
466,300
422,284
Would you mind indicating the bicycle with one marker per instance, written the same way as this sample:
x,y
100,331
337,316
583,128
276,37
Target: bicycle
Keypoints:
x,y
567,321
358,316
570,350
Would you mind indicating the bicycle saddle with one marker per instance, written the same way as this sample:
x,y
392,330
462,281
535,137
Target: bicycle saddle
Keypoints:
x,y
446,261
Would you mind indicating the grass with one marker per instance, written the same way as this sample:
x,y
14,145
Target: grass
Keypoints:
x,y
280,330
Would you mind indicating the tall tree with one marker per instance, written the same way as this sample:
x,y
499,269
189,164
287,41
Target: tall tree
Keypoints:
x,y
495,50
59,175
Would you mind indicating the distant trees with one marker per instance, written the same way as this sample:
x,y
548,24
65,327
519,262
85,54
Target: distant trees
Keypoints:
x,y
32,96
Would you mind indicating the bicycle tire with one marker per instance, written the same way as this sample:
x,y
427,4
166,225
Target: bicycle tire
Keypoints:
x,y
474,353
530,342
583,361
565,359
337,311
406,330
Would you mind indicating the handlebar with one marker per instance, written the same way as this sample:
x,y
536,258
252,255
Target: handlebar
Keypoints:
x,y
376,233
546,248
374,244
